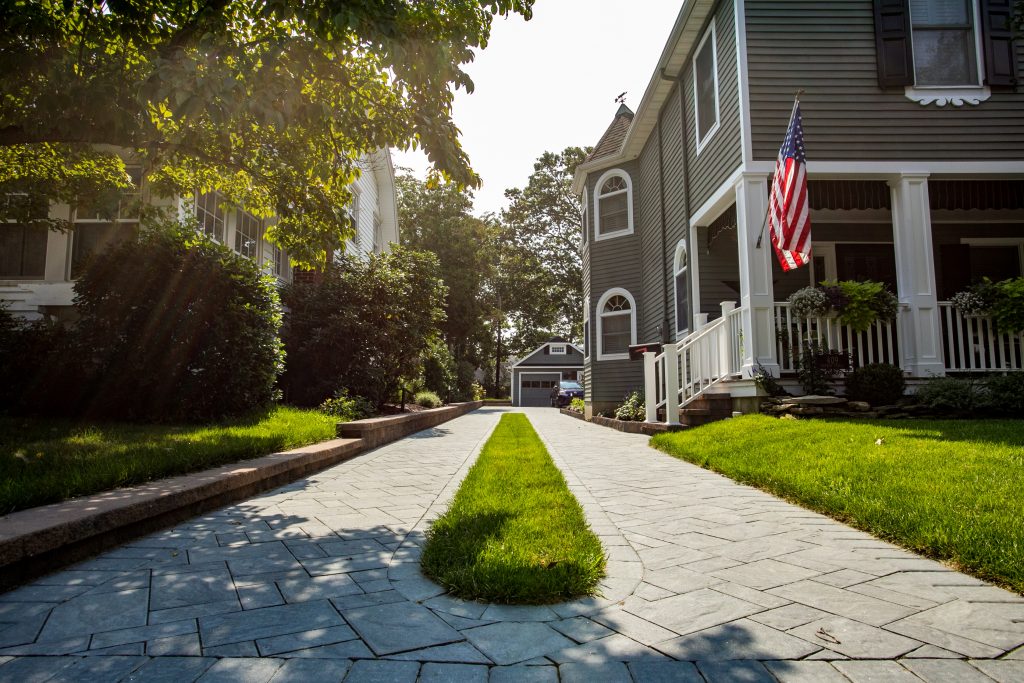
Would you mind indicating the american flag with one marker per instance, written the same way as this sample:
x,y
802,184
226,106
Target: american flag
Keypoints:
x,y
791,221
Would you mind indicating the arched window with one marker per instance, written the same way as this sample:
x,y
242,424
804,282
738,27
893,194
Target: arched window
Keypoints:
x,y
586,215
616,324
613,205
682,283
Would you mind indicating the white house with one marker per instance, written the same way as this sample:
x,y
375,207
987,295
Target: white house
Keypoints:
x,y
38,267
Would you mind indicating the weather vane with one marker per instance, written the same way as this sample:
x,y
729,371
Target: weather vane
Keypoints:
x,y
621,99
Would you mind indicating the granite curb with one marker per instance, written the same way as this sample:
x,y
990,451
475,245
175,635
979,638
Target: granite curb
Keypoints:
x,y
41,539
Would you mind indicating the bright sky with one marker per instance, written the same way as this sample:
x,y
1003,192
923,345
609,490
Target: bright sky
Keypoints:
x,y
548,83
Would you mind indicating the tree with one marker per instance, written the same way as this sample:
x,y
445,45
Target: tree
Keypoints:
x,y
543,225
272,102
437,218
363,327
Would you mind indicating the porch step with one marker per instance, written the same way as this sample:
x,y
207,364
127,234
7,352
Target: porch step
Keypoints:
x,y
706,408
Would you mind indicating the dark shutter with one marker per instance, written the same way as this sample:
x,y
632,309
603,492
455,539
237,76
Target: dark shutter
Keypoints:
x,y
894,52
1000,59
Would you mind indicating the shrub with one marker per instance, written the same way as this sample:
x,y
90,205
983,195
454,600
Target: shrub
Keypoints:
x,y
949,395
577,405
633,408
768,382
438,368
877,384
40,367
364,326
817,366
1004,395
478,391
809,302
428,399
175,327
347,407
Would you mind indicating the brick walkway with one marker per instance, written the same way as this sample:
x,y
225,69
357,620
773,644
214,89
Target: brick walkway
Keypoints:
x,y
708,580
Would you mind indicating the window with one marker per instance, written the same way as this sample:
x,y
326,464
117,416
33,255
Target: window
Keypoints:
x,y
682,283
616,325
22,251
613,205
943,37
247,235
104,221
705,87
210,214
558,349
277,261
585,215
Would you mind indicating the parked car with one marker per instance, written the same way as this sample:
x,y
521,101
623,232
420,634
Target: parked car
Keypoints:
x,y
563,394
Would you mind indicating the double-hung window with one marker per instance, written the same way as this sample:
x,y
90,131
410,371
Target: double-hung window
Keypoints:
x,y
681,277
210,214
105,221
944,43
613,200
247,235
616,325
705,88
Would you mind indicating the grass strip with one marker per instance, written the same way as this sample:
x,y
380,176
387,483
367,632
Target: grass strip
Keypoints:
x,y
948,489
514,533
47,461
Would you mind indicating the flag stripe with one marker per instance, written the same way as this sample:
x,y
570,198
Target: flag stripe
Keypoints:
x,y
787,206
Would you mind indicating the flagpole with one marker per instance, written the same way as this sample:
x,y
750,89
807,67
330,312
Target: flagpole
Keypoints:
x,y
764,223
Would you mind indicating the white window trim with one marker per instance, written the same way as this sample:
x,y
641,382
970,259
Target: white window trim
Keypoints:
x,y
998,242
957,95
586,320
558,349
702,142
611,173
676,272
615,291
586,229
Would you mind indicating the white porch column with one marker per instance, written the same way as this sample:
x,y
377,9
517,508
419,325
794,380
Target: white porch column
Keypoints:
x,y
757,295
650,386
921,331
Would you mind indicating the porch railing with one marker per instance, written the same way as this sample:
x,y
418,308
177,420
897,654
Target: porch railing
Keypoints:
x,y
685,370
972,343
879,344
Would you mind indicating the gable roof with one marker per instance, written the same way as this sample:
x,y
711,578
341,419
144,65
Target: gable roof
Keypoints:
x,y
612,139
569,363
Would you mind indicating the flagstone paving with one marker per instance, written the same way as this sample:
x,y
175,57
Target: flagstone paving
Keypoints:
x,y
707,581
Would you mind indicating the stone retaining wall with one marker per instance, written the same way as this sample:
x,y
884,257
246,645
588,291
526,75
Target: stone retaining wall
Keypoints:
x,y
41,539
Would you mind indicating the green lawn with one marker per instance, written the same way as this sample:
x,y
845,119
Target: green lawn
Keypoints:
x,y
46,461
949,489
514,532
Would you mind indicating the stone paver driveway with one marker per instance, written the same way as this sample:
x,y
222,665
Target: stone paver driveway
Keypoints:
x,y
319,581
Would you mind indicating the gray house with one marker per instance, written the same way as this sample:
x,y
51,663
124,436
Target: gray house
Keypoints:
x,y
534,377
914,130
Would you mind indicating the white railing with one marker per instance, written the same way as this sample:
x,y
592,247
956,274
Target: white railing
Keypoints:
x,y
685,370
972,343
878,344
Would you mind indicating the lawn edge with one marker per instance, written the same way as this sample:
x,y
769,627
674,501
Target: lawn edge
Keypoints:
x,y
35,541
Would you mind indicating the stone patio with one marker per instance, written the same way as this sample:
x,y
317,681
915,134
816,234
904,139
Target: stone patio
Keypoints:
x,y
708,581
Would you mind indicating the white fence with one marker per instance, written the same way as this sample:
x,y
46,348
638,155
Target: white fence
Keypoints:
x,y
972,343
879,344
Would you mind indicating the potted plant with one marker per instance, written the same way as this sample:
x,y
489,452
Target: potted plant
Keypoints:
x,y
809,302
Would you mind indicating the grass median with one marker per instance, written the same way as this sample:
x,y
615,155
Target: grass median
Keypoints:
x,y
948,489
514,533
46,460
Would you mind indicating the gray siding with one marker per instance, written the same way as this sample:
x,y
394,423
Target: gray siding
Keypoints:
x,y
573,358
612,263
828,48
723,153
719,268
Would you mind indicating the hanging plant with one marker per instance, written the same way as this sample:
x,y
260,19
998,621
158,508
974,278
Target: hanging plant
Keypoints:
x,y
864,303
978,299
809,302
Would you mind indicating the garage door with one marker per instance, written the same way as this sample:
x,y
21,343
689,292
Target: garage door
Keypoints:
x,y
535,388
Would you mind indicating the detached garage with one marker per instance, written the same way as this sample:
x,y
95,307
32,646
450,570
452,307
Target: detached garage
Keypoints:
x,y
536,375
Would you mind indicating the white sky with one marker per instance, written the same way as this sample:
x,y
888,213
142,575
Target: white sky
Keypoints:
x,y
548,83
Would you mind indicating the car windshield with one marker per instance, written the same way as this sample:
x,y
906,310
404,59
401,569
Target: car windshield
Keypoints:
x,y
572,386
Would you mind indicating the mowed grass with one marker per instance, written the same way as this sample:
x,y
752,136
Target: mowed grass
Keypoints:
x,y
46,461
949,489
514,533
